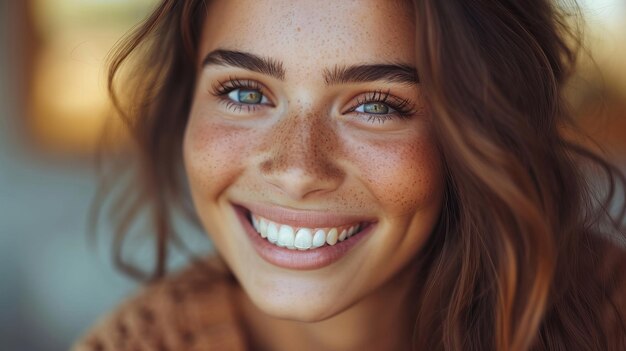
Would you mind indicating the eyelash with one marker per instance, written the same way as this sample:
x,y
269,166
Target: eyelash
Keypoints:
x,y
402,107
223,88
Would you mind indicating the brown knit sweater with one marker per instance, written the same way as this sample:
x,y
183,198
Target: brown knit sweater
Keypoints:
x,y
188,311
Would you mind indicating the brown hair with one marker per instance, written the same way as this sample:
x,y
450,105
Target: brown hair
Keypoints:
x,y
519,217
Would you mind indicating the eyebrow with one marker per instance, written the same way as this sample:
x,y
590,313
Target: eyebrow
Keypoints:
x,y
395,73
247,61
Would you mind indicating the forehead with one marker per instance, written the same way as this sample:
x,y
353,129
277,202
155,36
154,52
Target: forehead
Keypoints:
x,y
312,33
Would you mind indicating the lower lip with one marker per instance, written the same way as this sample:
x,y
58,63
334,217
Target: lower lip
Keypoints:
x,y
297,259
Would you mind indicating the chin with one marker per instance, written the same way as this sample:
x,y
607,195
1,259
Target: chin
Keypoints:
x,y
294,309
295,297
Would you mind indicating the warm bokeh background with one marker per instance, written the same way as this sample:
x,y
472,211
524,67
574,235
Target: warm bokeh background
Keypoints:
x,y
53,104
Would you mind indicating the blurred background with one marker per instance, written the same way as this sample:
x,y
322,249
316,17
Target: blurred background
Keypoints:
x,y
53,104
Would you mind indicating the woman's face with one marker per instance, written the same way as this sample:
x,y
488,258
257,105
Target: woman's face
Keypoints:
x,y
308,116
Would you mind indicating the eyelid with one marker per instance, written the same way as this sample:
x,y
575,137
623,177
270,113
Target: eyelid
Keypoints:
x,y
402,107
223,87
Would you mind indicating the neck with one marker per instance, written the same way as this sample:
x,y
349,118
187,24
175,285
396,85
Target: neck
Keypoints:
x,y
383,320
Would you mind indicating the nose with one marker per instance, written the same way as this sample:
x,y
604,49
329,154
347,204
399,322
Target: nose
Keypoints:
x,y
300,160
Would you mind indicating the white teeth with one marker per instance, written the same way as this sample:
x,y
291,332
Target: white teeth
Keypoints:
x,y
255,223
343,235
331,238
319,238
304,239
300,238
286,236
263,228
272,233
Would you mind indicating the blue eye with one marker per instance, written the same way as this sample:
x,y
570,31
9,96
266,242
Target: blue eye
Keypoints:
x,y
247,96
375,108
381,106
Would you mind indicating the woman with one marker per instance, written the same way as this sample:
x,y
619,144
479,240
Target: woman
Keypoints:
x,y
374,175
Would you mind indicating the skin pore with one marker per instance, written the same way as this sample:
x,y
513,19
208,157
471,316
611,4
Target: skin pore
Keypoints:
x,y
276,120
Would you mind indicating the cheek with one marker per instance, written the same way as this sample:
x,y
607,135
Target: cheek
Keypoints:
x,y
214,154
403,174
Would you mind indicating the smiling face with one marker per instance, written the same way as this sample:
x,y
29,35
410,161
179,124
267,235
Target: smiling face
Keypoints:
x,y
308,121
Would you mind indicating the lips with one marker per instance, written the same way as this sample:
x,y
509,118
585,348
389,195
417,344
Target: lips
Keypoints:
x,y
308,218
293,239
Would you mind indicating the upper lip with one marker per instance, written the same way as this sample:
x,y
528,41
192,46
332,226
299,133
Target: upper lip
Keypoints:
x,y
304,218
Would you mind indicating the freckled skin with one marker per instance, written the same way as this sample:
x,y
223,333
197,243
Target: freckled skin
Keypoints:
x,y
300,146
305,152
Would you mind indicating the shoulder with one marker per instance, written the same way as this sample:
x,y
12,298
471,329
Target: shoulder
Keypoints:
x,y
184,311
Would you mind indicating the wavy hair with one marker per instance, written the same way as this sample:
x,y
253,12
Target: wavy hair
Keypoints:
x,y
516,233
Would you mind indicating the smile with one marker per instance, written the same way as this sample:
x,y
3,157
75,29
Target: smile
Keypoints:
x,y
284,235
301,240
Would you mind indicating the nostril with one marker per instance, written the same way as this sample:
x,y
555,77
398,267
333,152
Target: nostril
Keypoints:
x,y
300,176
297,184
